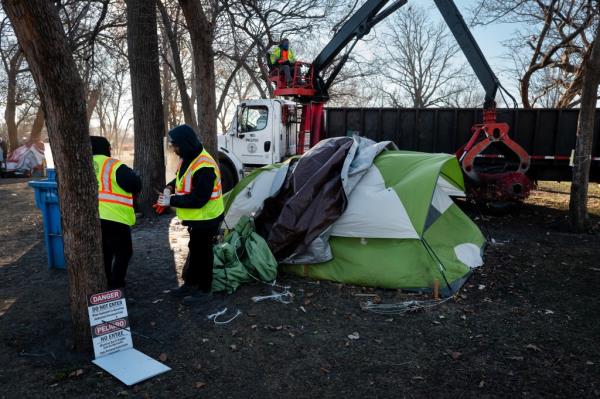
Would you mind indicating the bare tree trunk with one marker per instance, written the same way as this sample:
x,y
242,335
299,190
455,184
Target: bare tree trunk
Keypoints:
x,y
11,100
166,92
38,125
148,122
92,100
38,28
578,213
201,36
186,103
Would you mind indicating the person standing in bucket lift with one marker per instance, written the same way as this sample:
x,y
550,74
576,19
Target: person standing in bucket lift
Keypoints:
x,y
199,205
117,184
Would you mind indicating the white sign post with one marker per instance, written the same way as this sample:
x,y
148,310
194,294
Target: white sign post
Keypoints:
x,y
113,346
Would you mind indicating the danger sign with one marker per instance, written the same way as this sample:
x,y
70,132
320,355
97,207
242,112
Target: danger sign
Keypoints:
x,y
109,323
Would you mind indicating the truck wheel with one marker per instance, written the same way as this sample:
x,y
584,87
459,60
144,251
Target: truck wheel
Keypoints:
x,y
228,176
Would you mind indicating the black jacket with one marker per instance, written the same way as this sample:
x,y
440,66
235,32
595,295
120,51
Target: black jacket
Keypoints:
x,y
127,179
203,180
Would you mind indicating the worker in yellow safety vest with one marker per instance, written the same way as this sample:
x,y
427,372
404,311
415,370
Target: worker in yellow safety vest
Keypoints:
x,y
117,184
283,57
196,194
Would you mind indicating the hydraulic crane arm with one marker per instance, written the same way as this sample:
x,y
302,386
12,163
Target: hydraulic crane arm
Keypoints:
x,y
359,24
373,12
471,50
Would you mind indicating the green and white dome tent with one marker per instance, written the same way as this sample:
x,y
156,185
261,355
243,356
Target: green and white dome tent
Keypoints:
x,y
400,227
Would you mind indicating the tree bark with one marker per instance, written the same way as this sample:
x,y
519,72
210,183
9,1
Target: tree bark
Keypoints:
x,y
40,33
38,125
11,100
186,103
148,121
91,102
201,36
578,213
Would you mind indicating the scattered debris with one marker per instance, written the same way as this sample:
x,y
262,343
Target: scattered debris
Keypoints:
x,y
533,347
214,317
284,296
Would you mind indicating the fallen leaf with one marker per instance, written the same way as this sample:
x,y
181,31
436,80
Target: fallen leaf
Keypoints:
x,y
324,370
273,328
533,347
76,373
162,357
200,385
354,335
453,354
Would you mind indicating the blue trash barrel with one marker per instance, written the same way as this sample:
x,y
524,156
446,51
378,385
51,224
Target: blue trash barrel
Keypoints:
x,y
46,199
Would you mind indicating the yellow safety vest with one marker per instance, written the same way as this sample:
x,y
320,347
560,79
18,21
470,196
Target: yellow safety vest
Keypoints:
x,y
114,203
183,185
276,56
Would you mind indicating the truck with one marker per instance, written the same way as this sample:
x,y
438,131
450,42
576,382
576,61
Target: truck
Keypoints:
x,y
499,163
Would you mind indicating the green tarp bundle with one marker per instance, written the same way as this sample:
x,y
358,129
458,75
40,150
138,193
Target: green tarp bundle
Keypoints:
x,y
242,257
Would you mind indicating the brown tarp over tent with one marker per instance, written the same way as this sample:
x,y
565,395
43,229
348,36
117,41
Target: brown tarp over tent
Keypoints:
x,y
310,200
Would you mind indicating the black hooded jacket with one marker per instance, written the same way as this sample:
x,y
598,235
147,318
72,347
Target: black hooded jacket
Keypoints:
x,y
127,179
203,180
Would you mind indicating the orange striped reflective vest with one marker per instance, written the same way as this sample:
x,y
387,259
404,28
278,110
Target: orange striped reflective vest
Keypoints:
x,y
114,203
183,185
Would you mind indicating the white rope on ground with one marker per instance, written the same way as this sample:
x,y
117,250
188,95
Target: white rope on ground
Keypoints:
x,y
214,317
284,297
402,307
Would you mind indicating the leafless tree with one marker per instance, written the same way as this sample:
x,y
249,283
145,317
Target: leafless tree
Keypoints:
x,y
44,43
550,46
142,46
578,212
419,60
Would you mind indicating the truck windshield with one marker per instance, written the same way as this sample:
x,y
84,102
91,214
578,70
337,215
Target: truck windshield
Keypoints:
x,y
253,119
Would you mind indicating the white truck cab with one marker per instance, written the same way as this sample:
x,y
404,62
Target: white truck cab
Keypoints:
x,y
263,131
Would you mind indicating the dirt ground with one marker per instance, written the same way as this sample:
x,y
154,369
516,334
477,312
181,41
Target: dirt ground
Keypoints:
x,y
527,324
